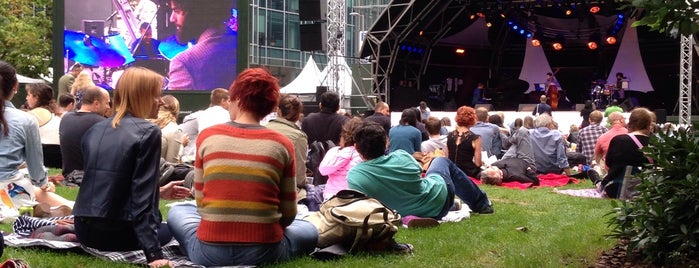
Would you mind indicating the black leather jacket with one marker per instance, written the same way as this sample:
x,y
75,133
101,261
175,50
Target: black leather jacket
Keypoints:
x,y
121,178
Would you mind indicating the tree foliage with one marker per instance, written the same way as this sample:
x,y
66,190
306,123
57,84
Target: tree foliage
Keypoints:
x,y
669,15
26,35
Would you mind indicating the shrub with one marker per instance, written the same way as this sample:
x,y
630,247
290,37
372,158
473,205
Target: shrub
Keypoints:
x,y
662,222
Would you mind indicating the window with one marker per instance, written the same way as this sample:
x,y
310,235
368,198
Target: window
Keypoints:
x,y
292,32
275,33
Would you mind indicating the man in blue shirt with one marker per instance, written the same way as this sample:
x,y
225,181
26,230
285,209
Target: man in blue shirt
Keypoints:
x,y
490,134
547,146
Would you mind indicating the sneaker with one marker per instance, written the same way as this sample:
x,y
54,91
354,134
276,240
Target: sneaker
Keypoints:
x,y
593,176
418,222
488,209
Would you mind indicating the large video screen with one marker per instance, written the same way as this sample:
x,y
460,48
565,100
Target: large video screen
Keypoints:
x,y
193,43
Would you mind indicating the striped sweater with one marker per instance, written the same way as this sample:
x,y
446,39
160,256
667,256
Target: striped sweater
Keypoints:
x,y
244,184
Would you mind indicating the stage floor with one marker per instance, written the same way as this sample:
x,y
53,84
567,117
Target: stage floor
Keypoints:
x,y
563,118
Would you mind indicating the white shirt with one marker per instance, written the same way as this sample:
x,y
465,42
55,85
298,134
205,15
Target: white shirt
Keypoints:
x,y
213,115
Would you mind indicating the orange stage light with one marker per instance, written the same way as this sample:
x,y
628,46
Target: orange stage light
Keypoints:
x,y
460,51
594,9
592,45
536,42
557,46
611,40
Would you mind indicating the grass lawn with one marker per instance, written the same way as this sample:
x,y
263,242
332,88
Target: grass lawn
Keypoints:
x,y
560,231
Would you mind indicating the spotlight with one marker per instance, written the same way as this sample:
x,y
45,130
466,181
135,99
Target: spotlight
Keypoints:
x,y
557,45
611,40
594,9
536,42
568,12
473,17
420,33
592,45
488,24
460,51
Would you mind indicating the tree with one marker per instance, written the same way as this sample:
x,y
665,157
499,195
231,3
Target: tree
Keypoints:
x,y
669,15
26,35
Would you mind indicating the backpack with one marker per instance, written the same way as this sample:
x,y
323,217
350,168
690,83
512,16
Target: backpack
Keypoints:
x,y
355,221
317,151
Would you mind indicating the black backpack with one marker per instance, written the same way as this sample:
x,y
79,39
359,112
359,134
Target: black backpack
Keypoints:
x,y
317,151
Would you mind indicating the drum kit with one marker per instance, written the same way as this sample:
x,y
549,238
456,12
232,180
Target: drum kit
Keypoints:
x,y
108,57
602,94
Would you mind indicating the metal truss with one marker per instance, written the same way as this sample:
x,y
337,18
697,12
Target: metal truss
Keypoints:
x,y
685,100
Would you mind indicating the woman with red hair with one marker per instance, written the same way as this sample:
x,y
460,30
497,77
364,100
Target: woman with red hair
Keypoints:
x,y
464,146
244,187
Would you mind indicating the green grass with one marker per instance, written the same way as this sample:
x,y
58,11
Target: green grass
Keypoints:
x,y
561,231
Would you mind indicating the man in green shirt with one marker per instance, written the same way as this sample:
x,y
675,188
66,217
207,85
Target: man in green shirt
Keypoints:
x,y
66,81
395,179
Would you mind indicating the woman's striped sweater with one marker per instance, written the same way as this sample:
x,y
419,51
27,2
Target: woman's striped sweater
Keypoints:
x,y
244,184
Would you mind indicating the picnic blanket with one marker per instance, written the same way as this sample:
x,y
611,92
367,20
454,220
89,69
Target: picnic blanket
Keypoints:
x,y
545,180
25,225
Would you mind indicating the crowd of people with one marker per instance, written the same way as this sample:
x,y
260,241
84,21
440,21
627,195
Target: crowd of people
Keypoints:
x,y
248,179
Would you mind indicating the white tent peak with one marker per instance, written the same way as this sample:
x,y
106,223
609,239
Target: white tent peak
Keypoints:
x,y
307,81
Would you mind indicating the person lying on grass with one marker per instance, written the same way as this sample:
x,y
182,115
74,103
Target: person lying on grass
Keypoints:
x,y
395,179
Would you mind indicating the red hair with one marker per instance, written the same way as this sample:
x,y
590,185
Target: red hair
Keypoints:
x,y
465,116
257,91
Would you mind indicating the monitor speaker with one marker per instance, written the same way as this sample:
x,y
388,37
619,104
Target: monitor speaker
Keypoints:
x,y
313,37
579,106
313,10
527,107
94,28
660,116
484,105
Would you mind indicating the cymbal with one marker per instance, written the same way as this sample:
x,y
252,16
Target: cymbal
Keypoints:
x,y
90,50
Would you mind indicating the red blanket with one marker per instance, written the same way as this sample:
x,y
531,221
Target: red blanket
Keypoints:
x,y
546,180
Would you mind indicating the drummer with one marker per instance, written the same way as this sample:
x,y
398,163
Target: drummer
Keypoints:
x,y
146,47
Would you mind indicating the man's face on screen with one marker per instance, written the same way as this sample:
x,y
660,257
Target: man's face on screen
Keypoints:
x,y
185,31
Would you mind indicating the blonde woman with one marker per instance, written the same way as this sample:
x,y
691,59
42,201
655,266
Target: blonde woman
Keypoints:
x,y
117,204
172,135
82,82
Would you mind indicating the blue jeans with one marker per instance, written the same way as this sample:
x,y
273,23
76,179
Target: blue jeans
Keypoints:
x,y
458,182
300,238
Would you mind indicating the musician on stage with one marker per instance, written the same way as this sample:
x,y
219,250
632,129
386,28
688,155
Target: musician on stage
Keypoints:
x,y
146,47
552,88
620,79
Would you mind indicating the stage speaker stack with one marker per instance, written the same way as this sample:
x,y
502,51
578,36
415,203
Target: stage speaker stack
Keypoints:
x,y
94,28
319,91
629,104
526,107
313,14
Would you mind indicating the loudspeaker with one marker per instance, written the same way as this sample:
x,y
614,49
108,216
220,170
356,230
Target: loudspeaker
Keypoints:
x,y
94,28
660,116
319,91
484,105
313,37
526,107
313,10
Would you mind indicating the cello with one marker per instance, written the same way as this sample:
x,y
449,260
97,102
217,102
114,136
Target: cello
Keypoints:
x,y
552,90
552,95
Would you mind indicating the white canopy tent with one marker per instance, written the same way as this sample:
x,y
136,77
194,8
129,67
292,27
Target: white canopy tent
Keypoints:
x,y
307,81
27,80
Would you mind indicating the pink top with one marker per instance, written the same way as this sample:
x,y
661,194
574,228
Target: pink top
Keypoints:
x,y
336,163
602,145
